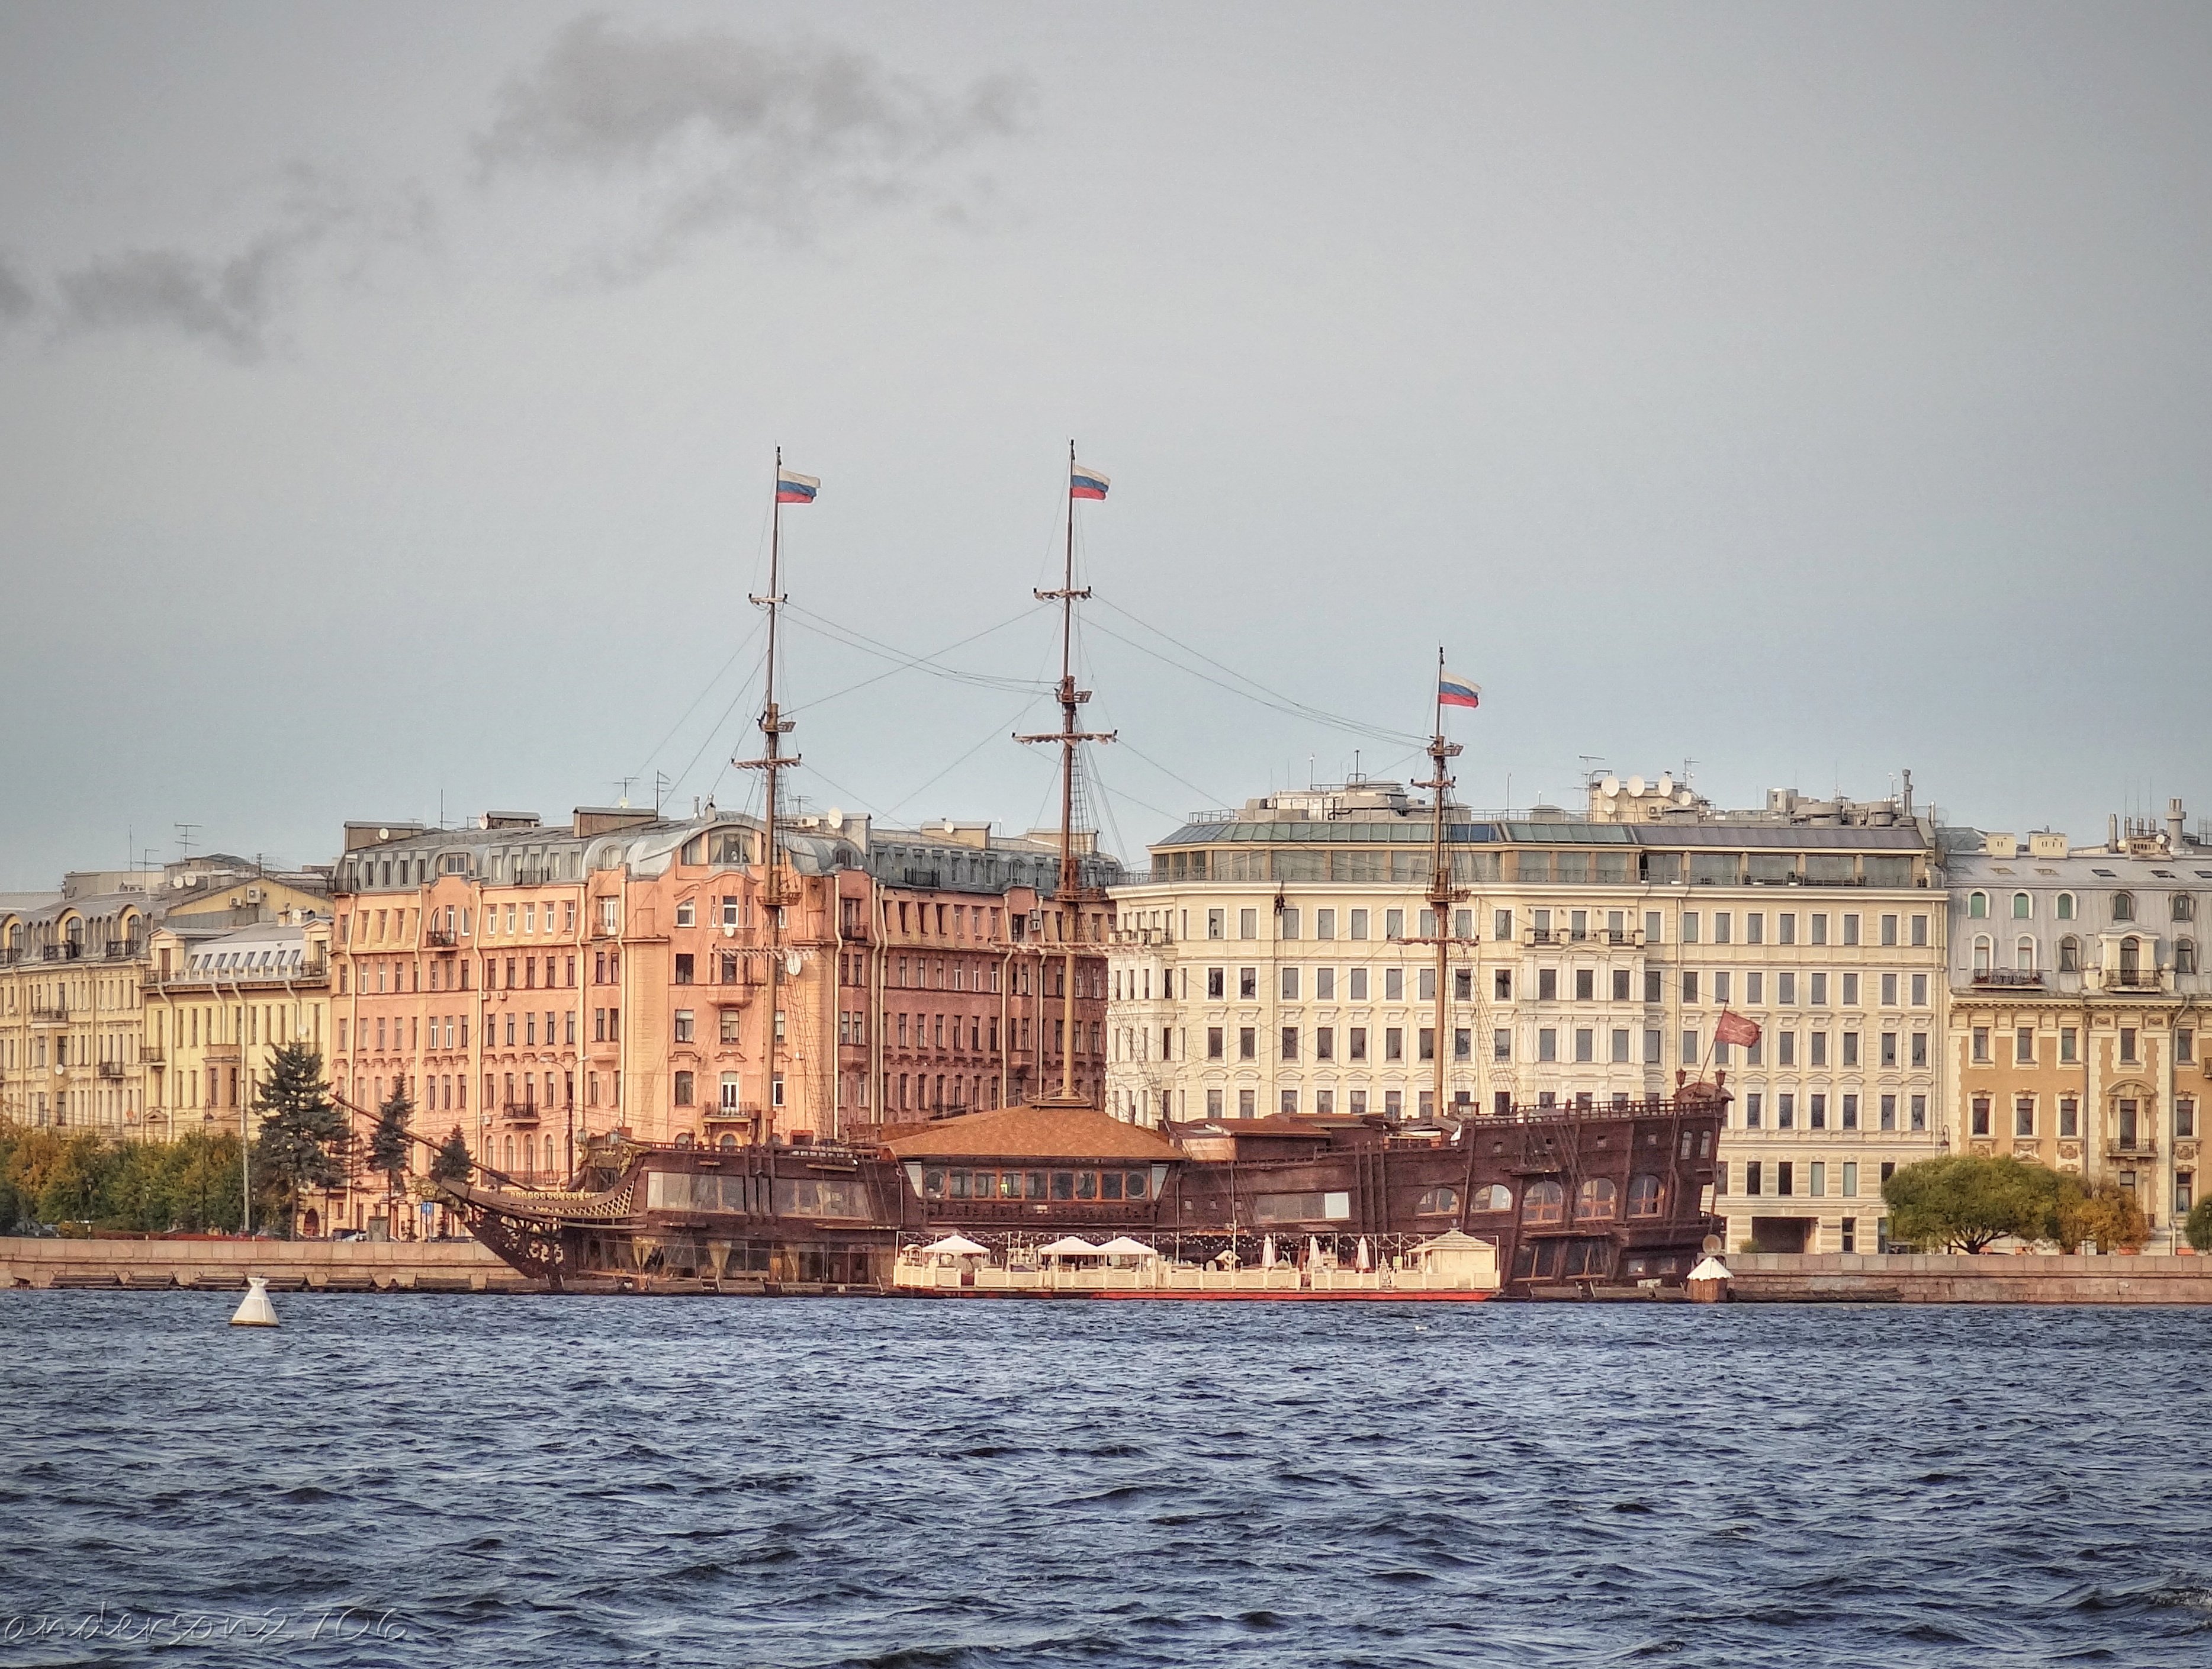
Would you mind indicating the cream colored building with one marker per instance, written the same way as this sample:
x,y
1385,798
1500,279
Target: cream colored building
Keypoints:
x,y
1275,961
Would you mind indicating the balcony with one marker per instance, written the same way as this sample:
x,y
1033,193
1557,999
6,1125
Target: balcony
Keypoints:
x,y
151,1055
2007,978
733,1113
2135,978
49,1014
440,938
111,1070
123,949
67,950
519,1112
2142,1148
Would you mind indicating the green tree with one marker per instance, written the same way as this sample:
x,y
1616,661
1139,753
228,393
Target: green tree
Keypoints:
x,y
1966,1202
2107,1214
451,1164
301,1132
209,1194
137,1188
2196,1228
388,1144
73,1182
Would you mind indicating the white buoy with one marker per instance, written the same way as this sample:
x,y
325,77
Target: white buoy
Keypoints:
x,y
256,1311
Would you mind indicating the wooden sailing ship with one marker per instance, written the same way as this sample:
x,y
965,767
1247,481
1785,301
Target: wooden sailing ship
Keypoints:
x,y
1576,1200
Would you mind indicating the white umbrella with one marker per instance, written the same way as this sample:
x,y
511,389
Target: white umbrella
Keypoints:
x,y
1366,1262
958,1246
1313,1252
1268,1252
1072,1246
1123,1247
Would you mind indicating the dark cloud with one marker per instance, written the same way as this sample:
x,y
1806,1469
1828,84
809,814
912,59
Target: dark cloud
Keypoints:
x,y
17,301
231,303
734,132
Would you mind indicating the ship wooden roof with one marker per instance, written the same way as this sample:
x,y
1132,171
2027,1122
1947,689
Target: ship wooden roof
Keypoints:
x,y
1035,1132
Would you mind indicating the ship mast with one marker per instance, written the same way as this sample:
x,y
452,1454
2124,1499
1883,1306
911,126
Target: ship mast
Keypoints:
x,y
772,763
1442,895
1071,894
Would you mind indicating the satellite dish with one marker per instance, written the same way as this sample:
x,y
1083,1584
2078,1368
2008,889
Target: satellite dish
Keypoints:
x,y
383,833
1636,786
833,819
1610,786
1666,785
792,962
1684,796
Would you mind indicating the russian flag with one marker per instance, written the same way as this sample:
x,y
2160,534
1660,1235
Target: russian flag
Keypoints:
x,y
1457,692
1085,483
792,487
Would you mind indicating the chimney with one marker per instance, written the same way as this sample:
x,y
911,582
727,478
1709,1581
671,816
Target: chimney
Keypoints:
x,y
2173,824
2112,838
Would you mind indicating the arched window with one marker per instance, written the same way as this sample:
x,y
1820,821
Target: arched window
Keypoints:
x,y
1543,1202
2184,908
2123,906
2022,909
2130,957
1644,1194
510,1154
2069,954
2023,955
1495,1198
1594,1200
2066,906
2184,955
1982,953
1977,905
1438,1202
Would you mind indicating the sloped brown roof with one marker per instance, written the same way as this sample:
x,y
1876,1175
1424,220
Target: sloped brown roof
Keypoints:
x,y
1035,1132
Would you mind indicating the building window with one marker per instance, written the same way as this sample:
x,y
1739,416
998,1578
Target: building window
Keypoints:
x,y
1977,906
2023,1115
2023,1045
1752,1168
2123,906
2184,955
683,1025
2184,907
2020,908
1213,924
1394,1043
1247,1043
2069,954
1888,1113
1548,1043
684,967
2127,1044
1290,1042
1981,1116
1753,1110
1248,984
684,1090
1919,1121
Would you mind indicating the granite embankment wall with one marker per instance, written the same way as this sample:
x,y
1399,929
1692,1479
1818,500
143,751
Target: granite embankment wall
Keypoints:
x,y
2036,1279
293,1265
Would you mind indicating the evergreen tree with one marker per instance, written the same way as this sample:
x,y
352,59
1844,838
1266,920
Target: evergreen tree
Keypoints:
x,y
389,1142
451,1162
300,1130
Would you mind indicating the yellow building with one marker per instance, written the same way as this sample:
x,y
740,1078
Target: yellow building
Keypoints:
x,y
2077,1005
74,972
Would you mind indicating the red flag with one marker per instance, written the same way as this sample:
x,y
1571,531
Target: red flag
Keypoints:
x,y
1735,1029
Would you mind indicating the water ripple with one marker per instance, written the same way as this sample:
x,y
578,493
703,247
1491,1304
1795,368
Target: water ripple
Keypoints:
x,y
469,1481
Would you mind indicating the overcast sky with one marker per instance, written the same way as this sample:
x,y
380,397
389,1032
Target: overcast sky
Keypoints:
x,y
389,394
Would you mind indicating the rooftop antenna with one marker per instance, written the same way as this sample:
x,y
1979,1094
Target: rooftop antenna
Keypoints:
x,y
622,791
662,782
185,834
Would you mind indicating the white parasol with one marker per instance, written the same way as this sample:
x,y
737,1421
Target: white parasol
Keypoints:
x,y
1366,1262
1072,1246
956,1246
1123,1247
1268,1252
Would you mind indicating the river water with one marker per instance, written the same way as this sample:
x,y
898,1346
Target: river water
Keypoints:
x,y
502,1481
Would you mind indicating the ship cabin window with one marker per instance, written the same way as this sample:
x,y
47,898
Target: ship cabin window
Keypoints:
x,y
1594,1200
1495,1198
1643,1192
1438,1202
1543,1202
1115,1185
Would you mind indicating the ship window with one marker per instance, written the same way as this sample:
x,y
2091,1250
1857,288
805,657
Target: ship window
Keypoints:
x,y
1110,1184
1063,1184
1010,1184
986,1184
1087,1184
1495,1198
1438,1202
1643,1192
933,1185
960,1185
1133,1185
1036,1185
1594,1200
1543,1202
